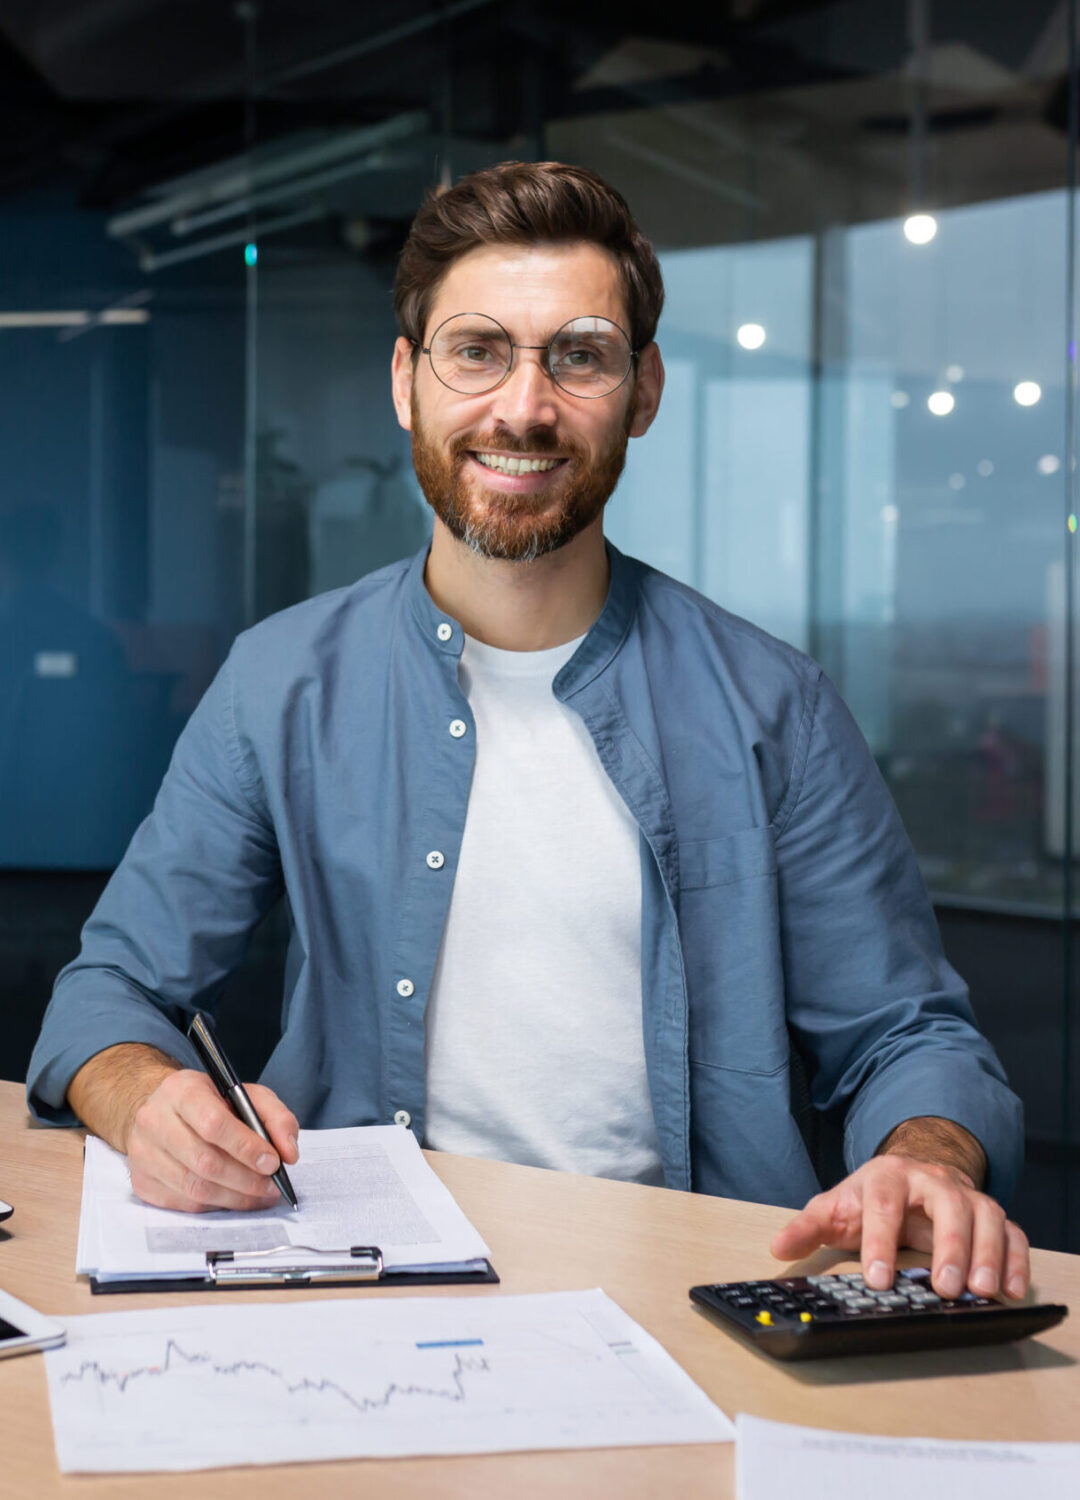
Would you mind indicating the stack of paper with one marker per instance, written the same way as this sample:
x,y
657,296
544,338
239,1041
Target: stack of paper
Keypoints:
x,y
364,1186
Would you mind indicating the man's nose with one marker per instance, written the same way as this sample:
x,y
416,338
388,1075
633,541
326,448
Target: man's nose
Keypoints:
x,y
527,396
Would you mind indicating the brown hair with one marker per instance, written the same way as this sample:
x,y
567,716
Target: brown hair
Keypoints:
x,y
525,203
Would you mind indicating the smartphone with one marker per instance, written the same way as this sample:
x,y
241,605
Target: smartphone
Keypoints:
x,y
6,1210
23,1329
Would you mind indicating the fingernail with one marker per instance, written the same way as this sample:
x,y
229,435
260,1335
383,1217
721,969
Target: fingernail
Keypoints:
x,y
950,1281
265,1163
290,1140
878,1275
1017,1286
984,1282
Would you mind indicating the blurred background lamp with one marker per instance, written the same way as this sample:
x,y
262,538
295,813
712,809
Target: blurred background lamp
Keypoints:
x,y
920,229
985,467
957,481
1048,464
750,335
900,399
954,374
941,403
251,253
1027,392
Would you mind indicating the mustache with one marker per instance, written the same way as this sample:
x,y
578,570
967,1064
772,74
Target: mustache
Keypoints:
x,y
508,442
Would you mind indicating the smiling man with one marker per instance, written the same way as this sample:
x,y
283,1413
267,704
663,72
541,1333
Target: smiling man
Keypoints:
x,y
575,860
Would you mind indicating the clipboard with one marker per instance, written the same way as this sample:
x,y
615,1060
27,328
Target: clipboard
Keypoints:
x,y
232,1270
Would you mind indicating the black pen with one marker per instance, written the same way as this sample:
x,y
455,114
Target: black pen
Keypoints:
x,y
225,1077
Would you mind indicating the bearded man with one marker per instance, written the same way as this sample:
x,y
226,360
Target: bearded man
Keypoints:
x,y
574,858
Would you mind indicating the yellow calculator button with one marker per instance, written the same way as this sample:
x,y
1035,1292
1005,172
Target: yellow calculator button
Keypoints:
x,y
806,1318
765,1317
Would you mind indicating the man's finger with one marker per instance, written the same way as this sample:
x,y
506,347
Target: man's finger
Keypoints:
x,y
181,1156
281,1124
212,1121
1017,1277
988,1247
884,1206
826,1220
160,1178
949,1209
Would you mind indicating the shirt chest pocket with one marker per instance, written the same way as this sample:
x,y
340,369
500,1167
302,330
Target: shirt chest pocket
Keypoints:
x,y
730,931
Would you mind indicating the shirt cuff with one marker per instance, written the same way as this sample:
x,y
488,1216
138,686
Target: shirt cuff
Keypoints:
x,y
63,1049
946,1086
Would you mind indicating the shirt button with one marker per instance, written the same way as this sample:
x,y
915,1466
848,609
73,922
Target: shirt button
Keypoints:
x,y
445,631
435,860
405,988
457,728
402,1117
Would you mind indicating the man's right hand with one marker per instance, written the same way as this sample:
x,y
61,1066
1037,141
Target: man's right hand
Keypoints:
x,y
187,1150
185,1147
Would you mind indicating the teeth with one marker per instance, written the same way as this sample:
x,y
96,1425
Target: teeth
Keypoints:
x,y
506,465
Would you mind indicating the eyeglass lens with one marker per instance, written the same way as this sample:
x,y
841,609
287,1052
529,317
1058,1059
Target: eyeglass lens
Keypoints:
x,y
588,356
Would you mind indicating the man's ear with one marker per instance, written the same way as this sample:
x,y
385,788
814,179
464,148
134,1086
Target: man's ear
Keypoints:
x,y
402,367
648,389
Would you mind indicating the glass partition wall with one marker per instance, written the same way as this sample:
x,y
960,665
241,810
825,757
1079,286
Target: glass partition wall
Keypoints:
x,y
865,216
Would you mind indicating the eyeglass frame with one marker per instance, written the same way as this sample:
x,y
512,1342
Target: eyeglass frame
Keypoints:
x,y
545,364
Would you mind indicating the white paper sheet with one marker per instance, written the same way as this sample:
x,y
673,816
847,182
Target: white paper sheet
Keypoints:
x,y
774,1461
212,1385
368,1185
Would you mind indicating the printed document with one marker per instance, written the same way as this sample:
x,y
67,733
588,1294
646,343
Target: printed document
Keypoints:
x,y
774,1461
368,1185
210,1385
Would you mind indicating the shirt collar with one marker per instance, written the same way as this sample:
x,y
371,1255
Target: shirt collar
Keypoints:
x,y
601,643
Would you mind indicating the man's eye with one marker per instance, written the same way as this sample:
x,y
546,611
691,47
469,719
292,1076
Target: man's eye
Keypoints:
x,y
578,359
474,354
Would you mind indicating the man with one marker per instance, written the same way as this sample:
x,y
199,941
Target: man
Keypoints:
x,y
572,855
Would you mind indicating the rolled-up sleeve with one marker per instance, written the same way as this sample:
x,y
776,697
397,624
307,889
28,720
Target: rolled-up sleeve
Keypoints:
x,y
175,918
882,1018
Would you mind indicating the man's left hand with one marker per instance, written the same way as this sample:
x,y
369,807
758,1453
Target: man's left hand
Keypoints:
x,y
895,1200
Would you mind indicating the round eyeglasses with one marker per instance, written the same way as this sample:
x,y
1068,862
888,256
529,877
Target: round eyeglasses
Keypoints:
x,y
471,353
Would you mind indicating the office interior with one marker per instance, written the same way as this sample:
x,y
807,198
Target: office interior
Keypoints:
x,y
866,215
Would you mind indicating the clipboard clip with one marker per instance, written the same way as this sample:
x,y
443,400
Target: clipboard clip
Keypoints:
x,y
235,1268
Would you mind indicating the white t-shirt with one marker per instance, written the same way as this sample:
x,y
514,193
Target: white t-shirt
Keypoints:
x,y
534,1044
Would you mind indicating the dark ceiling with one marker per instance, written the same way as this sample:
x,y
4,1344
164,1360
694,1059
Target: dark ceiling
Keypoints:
x,y
117,96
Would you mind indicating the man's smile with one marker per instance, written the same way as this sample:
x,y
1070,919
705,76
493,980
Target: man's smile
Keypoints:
x,y
515,473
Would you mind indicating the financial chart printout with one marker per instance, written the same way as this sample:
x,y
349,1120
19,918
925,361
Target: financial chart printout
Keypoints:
x,y
209,1386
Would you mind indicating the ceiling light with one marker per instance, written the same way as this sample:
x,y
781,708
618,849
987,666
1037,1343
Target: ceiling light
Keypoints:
x,y
919,229
1048,464
985,468
1027,393
954,374
750,335
957,481
900,399
941,403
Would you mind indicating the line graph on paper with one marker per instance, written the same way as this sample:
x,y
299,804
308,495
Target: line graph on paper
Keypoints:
x,y
218,1384
178,1361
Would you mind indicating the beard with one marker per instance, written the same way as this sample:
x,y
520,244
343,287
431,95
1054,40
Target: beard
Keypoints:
x,y
516,528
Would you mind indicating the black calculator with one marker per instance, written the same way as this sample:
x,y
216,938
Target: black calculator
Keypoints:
x,y
810,1317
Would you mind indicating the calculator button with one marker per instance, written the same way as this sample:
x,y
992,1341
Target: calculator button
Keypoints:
x,y
864,1303
743,1301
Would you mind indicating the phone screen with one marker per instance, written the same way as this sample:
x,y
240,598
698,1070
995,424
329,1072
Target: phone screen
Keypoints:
x,y
9,1331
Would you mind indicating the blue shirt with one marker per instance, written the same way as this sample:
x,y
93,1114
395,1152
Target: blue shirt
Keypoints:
x,y
781,899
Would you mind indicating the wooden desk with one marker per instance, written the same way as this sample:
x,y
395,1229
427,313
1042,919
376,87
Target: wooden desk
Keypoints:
x,y
548,1232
